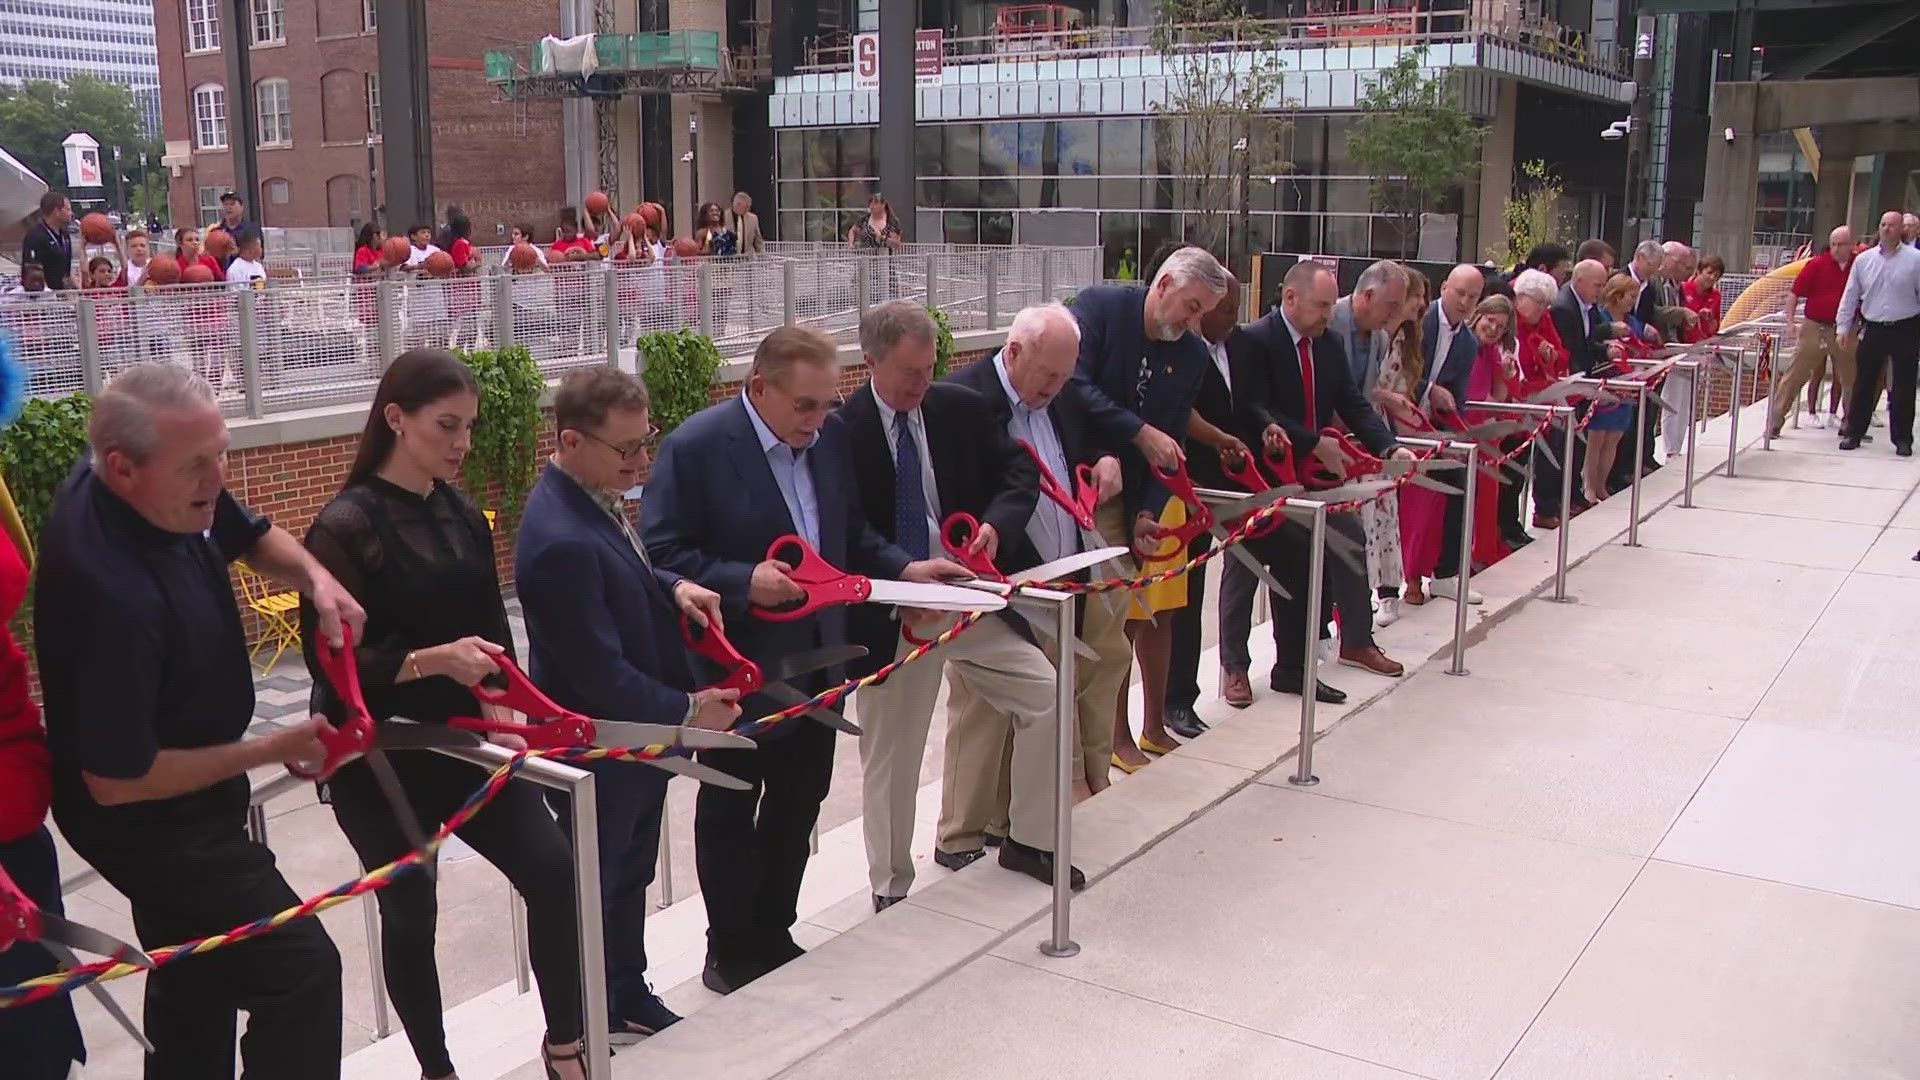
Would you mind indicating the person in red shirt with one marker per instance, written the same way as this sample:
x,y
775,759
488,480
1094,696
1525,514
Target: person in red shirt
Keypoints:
x,y
366,251
1701,295
568,244
456,240
42,1040
1820,284
187,241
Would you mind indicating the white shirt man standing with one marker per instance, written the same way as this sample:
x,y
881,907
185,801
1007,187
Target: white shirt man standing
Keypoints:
x,y
1883,293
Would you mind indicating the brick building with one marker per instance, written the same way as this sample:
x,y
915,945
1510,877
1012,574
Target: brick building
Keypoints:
x,y
317,98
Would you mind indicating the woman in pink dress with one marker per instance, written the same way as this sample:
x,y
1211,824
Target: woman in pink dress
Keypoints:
x,y
1495,373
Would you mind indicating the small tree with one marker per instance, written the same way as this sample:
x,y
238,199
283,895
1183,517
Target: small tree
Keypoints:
x,y
1226,119
1414,140
1533,214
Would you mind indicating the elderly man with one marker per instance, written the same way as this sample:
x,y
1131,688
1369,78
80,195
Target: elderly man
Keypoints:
x,y
1292,381
1451,349
1361,319
922,452
148,696
1029,387
729,482
1910,227
1819,284
746,225
1883,293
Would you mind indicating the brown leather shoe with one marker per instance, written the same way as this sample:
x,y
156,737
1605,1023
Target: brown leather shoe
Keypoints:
x,y
1236,689
1372,659
1545,521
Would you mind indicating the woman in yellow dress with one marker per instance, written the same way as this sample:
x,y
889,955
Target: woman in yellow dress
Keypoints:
x,y
1152,637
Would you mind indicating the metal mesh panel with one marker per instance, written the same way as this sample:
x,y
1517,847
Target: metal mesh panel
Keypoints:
x,y
319,344
449,313
747,301
333,265
561,316
47,336
963,289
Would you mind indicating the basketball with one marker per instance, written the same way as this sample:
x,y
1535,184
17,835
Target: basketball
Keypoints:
x,y
392,253
439,264
653,213
219,243
636,225
197,274
597,203
686,248
96,229
523,256
164,270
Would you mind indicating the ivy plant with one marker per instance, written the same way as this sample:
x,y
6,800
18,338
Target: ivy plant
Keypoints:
x,y
943,343
506,433
679,370
38,451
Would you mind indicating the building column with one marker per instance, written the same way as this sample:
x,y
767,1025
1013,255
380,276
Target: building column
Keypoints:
x,y
715,182
1832,196
1496,175
1733,174
1897,181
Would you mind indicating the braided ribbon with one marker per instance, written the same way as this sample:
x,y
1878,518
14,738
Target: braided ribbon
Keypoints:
x,y
46,986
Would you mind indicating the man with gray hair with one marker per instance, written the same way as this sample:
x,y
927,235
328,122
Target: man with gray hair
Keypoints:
x,y
924,452
149,693
1360,319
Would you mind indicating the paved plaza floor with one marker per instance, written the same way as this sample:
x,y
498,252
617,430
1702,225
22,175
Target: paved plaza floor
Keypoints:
x,y
1663,831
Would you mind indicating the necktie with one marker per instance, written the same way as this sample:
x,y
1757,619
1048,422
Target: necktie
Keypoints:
x,y
1306,380
909,496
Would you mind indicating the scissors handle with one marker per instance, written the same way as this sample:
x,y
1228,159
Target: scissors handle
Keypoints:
x,y
19,915
353,735
1247,474
957,534
1079,502
1199,514
742,674
824,584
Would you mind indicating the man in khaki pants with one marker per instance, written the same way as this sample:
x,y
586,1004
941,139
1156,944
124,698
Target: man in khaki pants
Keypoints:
x,y
923,452
1820,284
1028,385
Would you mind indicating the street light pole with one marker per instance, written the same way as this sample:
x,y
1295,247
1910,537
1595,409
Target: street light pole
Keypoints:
x,y
693,162
119,185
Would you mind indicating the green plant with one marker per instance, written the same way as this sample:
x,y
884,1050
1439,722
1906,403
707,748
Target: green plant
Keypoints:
x,y
943,343
1414,140
1533,215
38,451
679,371
507,430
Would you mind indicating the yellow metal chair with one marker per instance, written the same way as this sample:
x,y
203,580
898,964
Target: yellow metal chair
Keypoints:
x,y
279,615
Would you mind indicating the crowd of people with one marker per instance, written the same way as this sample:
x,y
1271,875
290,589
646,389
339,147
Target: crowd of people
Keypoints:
x,y
144,765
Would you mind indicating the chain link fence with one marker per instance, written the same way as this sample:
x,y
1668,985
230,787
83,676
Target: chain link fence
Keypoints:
x,y
308,341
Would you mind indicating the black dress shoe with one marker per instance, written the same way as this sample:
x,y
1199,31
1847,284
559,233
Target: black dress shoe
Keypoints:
x,y
882,903
1903,450
1036,864
991,840
1850,442
1326,695
958,860
1517,539
726,976
782,951
1183,722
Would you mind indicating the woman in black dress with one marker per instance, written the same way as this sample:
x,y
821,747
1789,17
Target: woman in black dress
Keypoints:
x,y
420,558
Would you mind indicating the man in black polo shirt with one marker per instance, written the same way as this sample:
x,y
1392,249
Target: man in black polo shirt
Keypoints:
x,y
48,244
233,219
148,691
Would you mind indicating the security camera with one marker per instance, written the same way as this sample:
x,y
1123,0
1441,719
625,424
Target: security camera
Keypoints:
x,y
1616,130
1728,135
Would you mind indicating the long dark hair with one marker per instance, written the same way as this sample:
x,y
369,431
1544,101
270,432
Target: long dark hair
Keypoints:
x,y
717,213
368,231
458,227
416,378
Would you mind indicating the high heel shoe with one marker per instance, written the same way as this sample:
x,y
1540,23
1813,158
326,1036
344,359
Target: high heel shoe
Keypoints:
x,y
549,1056
1126,768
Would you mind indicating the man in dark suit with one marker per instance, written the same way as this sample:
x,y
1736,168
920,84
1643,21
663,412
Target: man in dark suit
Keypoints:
x,y
1290,381
730,481
1451,350
604,636
1028,386
923,452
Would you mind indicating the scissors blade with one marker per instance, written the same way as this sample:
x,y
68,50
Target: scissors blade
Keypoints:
x,y
806,663
1240,507
407,735
1240,552
1421,479
56,930
933,597
625,734
383,775
64,956
787,697
1068,566
706,774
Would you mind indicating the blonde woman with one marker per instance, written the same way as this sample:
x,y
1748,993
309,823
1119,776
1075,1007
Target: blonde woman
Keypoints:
x,y
1392,393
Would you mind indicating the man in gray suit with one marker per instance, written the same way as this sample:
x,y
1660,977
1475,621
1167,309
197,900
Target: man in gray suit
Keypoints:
x,y
1360,320
746,225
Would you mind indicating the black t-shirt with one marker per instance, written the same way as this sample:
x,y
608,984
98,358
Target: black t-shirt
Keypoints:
x,y
140,649
52,250
239,233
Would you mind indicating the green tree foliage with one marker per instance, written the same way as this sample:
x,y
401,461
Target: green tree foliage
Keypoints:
x,y
678,371
1532,213
39,449
506,433
1415,142
36,115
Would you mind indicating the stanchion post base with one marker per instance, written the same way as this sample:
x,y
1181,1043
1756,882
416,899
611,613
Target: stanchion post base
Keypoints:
x,y
1462,671
1567,599
1048,948
1299,782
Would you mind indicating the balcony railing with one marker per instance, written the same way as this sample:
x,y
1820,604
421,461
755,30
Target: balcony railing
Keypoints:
x,y
672,59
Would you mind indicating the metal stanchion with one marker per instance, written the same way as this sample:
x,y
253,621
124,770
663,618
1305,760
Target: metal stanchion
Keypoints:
x,y
377,967
1310,664
1693,434
1733,408
1059,943
578,784
1565,412
1639,466
522,964
666,857
1458,666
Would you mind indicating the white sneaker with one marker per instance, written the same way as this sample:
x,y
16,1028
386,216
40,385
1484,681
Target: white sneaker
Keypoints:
x,y
1817,421
1388,611
1449,589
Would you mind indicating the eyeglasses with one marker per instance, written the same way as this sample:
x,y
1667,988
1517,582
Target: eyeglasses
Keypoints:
x,y
631,450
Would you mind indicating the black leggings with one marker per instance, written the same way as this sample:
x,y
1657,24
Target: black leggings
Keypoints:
x,y
516,834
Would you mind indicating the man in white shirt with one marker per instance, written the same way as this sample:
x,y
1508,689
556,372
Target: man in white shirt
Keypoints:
x,y
1883,295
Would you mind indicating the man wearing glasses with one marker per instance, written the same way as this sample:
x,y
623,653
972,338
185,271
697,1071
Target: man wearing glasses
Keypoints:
x,y
729,482
603,626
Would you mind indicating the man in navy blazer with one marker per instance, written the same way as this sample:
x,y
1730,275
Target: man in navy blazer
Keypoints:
x,y
603,626
1449,346
730,481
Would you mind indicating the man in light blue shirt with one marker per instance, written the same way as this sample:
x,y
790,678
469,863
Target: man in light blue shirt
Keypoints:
x,y
792,474
1883,293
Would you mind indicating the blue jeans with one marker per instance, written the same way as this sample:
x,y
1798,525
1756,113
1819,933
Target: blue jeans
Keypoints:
x,y
629,800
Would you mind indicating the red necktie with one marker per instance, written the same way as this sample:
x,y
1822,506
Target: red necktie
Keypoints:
x,y
1306,380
